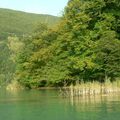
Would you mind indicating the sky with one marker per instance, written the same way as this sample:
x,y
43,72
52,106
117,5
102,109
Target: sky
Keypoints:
x,y
52,7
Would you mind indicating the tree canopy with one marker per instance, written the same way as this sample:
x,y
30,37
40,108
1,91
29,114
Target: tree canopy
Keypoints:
x,y
85,46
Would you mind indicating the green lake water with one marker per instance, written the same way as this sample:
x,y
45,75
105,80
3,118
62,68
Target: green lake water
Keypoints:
x,y
49,105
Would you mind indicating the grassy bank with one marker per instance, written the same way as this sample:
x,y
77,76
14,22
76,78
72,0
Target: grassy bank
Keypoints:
x,y
91,88
14,86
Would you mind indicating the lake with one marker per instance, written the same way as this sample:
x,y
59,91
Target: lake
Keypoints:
x,y
49,105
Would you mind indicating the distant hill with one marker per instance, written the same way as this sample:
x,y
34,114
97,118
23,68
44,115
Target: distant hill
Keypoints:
x,y
19,23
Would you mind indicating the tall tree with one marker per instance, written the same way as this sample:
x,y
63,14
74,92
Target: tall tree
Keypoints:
x,y
91,26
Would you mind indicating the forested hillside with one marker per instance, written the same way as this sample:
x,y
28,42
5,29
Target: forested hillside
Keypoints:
x,y
85,46
16,23
19,23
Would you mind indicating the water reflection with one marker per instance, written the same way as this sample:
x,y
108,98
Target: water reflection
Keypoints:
x,y
96,107
94,99
49,105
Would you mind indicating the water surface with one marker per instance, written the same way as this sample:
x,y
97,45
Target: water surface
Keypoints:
x,y
49,105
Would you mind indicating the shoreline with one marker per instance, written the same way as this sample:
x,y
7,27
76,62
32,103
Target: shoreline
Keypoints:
x,y
91,89
80,89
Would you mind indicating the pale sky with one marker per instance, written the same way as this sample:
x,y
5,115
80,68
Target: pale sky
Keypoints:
x,y
52,7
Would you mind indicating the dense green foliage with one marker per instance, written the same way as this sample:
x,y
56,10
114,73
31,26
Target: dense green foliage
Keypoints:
x,y
84,47
6,64
19,23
